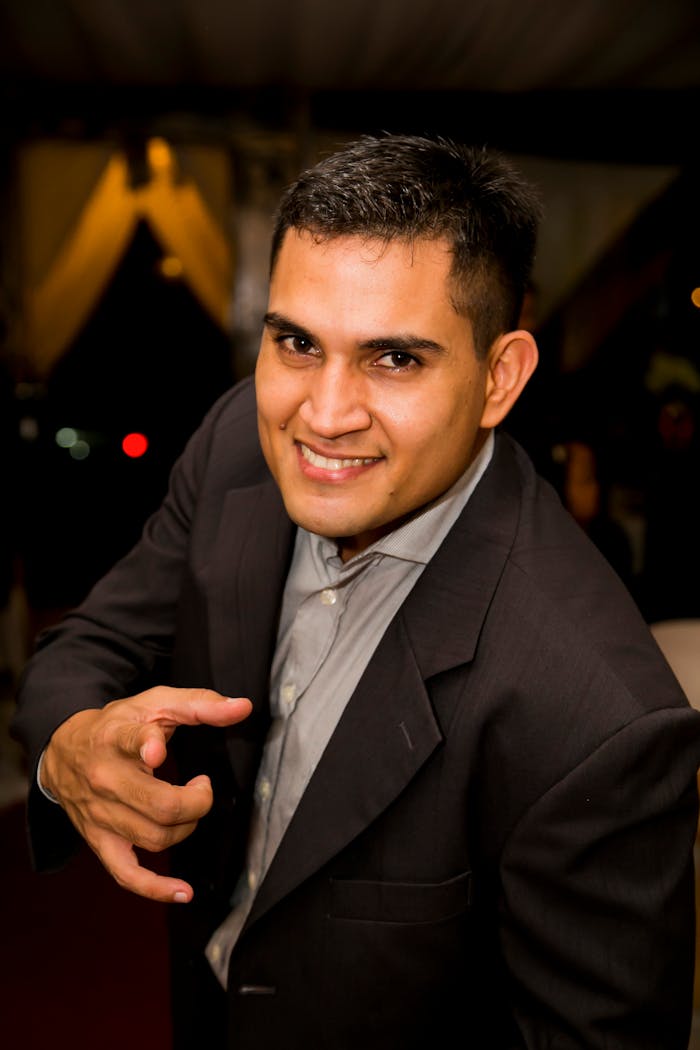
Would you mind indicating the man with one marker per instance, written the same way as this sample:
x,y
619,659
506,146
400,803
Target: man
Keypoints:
x,y
453,801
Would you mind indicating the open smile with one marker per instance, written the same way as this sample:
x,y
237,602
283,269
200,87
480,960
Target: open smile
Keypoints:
x,y
325,463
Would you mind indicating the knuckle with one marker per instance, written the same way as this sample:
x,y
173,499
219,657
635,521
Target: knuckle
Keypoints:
x,y
201,695
98,776
121,880
167,811
97,814
156,839
181,832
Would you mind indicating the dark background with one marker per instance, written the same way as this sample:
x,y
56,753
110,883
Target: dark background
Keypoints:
x,y
596,98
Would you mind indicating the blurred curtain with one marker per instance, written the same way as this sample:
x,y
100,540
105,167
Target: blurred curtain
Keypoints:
x,y
185,228
81,204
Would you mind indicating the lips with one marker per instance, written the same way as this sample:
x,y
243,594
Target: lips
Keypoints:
x,y
325,463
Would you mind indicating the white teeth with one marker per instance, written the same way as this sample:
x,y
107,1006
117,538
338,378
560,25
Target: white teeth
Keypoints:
x,y
332,464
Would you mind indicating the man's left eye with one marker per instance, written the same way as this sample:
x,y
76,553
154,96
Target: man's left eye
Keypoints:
x,y
397,359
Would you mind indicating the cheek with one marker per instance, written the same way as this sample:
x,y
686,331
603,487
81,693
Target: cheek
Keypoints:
x,y
404,414
264,432
268,406
435,438
274,392
268,409
441,418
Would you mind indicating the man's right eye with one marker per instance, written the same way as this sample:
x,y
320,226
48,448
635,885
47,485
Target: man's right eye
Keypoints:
x,y
297,344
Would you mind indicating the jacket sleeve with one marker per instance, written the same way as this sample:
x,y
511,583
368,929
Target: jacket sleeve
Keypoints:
x,y
598,921
116,643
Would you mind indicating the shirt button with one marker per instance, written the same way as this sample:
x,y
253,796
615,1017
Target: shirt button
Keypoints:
x,y
289,692
252,880
328,596
265,788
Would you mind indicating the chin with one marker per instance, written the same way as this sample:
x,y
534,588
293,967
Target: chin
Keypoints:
x,y
317,519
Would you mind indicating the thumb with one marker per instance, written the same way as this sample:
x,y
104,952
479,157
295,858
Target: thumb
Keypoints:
x,y
200,781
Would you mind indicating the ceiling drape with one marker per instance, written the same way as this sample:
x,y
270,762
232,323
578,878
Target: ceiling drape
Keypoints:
x,y
70,256
480,45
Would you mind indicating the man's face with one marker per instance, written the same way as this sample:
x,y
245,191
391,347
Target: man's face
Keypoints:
x,y
369,392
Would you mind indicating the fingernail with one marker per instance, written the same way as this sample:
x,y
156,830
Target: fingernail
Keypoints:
x,y
180,897
232,699
142,753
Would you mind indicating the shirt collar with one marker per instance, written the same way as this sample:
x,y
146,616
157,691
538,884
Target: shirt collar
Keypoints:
x,y
418,539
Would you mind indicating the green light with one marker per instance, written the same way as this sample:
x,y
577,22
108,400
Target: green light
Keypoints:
x,y
66,437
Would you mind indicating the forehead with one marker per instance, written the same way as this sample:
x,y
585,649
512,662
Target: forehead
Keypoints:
x,y
354,290
371,265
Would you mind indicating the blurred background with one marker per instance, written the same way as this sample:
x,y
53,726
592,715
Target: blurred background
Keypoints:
x,y
143,146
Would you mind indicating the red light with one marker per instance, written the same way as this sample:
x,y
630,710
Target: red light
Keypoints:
x,y
134,445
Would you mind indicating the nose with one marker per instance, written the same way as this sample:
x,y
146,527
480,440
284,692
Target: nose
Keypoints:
x,y
336,403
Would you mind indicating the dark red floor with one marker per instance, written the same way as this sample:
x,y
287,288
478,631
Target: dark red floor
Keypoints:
x,y
83,964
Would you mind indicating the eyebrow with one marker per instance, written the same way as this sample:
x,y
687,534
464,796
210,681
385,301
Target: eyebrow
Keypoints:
x,y
398,341
280,323
404,341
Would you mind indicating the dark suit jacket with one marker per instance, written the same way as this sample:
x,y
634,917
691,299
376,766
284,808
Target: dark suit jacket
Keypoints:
x,y
496,848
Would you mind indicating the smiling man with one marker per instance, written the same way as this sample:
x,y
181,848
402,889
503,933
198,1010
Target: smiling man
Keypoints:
x,y
371,398
453,798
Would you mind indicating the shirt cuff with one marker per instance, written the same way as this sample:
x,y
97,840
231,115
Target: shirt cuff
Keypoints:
x,y
45,791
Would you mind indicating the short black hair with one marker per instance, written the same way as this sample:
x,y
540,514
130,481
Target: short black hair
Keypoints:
x,y
402,187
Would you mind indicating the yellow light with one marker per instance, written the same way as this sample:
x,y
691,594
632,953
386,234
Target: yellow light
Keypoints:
x,y
170,266
695,297
159,155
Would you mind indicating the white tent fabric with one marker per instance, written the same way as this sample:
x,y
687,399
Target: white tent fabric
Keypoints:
x,y
303,47
479,45
78,212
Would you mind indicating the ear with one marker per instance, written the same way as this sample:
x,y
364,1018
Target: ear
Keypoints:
x,y
512,360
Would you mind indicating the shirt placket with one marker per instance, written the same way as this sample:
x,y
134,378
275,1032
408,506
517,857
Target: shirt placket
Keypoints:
x,y
313,631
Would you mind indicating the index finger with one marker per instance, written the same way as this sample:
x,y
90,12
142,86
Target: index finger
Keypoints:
x,y
172,706
155,714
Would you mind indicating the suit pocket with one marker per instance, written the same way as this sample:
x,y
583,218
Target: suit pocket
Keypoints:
x,y
400,902
402,943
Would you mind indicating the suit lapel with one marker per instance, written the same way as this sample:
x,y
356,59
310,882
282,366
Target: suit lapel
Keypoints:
x,y
245,582
389,729
445,611
385,734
